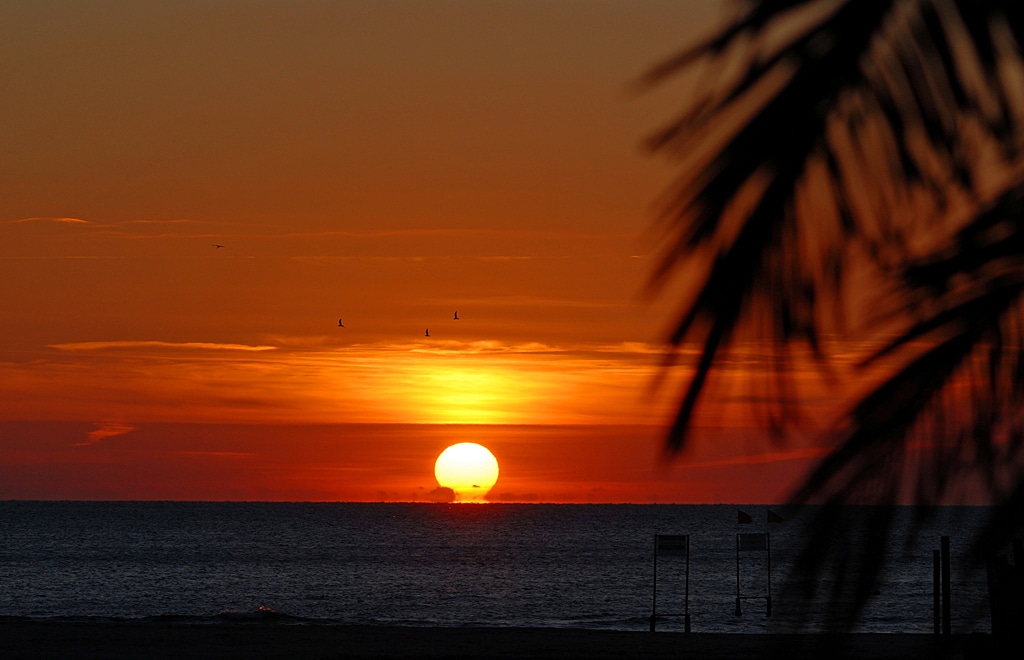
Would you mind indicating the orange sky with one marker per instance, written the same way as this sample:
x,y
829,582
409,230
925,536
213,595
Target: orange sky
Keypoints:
x,y
388,163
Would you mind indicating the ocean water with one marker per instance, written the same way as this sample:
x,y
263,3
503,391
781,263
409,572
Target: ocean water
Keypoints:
x,y
581,566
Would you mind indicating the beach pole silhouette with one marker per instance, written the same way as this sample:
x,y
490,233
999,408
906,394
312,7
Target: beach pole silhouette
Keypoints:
x,y
756,542
678,545
936,590
946,607
941,591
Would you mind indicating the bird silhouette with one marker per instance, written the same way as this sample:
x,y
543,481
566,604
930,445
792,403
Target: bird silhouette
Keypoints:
x,y
427,333
217,246
340,324
456,316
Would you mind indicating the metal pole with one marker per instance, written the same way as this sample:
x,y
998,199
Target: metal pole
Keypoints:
x,y
686,600
936,582
946,608
738,610
995,602
654,598
768,545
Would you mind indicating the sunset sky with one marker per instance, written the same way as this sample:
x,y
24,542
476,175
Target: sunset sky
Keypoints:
x,y
386,163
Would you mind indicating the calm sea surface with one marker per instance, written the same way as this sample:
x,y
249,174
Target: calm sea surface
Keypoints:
x,y
581,566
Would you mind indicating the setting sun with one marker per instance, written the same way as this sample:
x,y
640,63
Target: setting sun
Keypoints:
x,y
469,469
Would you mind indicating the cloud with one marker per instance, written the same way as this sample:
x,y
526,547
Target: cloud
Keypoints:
x,y
102,345
65,220
106,430
482,347
178,221
440,494
463,382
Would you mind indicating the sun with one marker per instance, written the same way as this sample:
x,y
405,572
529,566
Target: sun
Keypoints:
x,y
469,469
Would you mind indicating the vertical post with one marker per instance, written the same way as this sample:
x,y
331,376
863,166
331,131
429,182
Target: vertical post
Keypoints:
x,y
994,603
686,601
738,610
768,546
654,597
946,608
936,616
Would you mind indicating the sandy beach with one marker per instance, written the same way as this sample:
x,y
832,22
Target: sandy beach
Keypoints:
x,y
51,639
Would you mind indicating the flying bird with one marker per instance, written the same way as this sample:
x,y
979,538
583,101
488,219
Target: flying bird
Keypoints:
x,y
427,333
340,324
456,316
217,246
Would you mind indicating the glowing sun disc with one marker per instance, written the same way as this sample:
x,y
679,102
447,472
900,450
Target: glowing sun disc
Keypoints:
x,y
469,469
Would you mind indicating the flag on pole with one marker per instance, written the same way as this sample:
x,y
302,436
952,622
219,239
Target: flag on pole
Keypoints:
x,y
774,517
743,518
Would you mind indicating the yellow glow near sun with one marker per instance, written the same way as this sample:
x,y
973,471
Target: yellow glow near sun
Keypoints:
x,y
467,395
469,469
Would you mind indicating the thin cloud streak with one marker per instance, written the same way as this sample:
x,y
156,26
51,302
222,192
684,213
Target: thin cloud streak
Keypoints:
x,y
106,430
64,220
211,346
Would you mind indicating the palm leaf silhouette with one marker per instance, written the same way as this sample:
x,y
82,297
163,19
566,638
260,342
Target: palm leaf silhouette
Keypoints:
x,y
826,138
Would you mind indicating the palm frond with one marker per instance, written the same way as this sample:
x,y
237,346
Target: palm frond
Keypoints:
x,y
835,120
949,415
829,130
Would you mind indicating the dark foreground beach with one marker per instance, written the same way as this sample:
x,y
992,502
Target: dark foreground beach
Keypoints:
x,y
63,639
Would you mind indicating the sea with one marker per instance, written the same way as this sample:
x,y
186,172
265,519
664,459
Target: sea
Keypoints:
x,y
535,565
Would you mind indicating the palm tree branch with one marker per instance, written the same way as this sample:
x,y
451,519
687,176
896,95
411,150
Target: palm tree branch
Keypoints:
x,y
881,420
808,98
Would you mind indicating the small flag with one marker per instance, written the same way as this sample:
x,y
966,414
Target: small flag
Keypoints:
x,y
743,518
676,544
774,517
751,542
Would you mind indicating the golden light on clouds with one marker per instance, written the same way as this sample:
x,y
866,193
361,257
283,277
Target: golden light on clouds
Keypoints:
x,y
451,383
468,395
